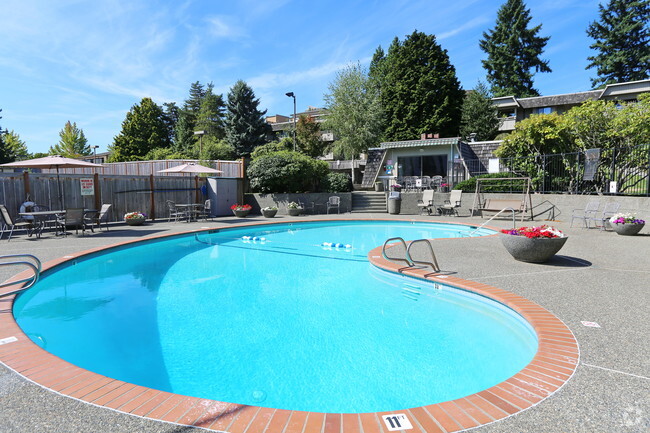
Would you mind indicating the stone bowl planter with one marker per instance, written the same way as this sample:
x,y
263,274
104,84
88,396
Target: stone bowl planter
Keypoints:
x,y
627,229
135,221
294,211
532,250
269,213
240,213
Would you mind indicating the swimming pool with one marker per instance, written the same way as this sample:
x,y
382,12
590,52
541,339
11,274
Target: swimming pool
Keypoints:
x,y
269,316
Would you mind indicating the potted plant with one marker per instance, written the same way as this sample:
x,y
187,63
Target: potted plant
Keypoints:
x,y
626,224
135,218
241,210
269,211
533,244
294,208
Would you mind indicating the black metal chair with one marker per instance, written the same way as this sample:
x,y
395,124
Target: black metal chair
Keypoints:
x,y
73,218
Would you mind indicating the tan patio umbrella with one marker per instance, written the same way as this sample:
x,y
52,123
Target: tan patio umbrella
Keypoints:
x,y
191,167
53,162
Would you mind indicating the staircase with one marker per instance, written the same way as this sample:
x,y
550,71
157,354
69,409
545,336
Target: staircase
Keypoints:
x,y
373,165
368,202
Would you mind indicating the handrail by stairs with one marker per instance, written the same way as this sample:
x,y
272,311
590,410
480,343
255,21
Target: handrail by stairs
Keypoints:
x,y
511,209
27,260
407,253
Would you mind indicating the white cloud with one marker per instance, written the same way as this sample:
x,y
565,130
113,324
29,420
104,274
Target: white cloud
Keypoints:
x,y
478,21
220,27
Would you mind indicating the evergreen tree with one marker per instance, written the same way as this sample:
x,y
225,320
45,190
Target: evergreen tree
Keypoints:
x,y
513,52
197,93
16,148
622,40
245,125
308,136
4,152
479,115
184,134
143,130
210,115
73,142
170,117
419,89
354,112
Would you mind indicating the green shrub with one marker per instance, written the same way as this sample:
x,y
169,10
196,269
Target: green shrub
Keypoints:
x,y
469,185
275,146
286,172
337,182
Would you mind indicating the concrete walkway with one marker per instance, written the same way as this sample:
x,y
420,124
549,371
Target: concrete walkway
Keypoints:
x,y
598,277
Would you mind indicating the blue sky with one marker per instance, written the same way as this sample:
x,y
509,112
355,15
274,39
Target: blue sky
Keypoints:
x,y
90,61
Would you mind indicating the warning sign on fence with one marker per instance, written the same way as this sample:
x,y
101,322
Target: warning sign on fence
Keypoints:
x,y
87,186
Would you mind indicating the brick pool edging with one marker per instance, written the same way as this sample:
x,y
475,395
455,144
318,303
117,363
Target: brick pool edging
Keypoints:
x,y
553,365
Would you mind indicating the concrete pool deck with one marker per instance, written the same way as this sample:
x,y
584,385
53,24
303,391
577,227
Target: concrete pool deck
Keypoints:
x,y
598,276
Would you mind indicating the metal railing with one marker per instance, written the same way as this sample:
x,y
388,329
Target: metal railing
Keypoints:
x,y
27,260
408,259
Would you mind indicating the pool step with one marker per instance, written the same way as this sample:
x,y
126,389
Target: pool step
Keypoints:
x,y
368,202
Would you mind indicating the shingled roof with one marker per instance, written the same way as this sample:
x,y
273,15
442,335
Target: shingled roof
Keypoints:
x,y
557,100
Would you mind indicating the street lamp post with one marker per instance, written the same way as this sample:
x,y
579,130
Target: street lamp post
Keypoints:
x,y
200,134
291,95
94,148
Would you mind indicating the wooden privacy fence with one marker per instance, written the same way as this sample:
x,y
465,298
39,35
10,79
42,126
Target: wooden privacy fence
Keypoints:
x,y
143,193
144,168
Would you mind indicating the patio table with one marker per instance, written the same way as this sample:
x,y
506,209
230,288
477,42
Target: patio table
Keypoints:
x,y
42,217
191,209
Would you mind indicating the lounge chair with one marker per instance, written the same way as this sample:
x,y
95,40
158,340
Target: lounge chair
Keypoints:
x,y
101,217
452,204
609,211
8,224
587,214
426,203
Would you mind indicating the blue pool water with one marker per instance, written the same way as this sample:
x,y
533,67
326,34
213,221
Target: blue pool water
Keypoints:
x,y
281,322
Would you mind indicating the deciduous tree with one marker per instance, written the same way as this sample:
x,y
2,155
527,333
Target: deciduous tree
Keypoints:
x,y
354,112
308,136
622,42
72,143
245,125
513,52
143,130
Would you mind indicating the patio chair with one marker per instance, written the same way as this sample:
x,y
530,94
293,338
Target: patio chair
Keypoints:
x,y
333,202
206,210
586,214
609,211
101,217
8,224
175,212
426,202
73,218
452,204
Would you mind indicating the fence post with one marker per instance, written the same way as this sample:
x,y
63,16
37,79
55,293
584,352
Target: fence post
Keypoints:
x,y
97,190
26,183
152,205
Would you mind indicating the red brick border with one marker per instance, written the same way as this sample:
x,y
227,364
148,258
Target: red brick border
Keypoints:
x,y
554,363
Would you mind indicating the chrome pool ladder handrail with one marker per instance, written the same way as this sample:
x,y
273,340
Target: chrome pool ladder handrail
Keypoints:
x,y
407,253
433,263
29,261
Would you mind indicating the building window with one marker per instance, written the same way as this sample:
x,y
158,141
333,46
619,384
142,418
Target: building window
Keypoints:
x,y
427,165
542,110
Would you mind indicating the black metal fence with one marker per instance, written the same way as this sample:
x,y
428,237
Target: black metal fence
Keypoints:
x,y
624,171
